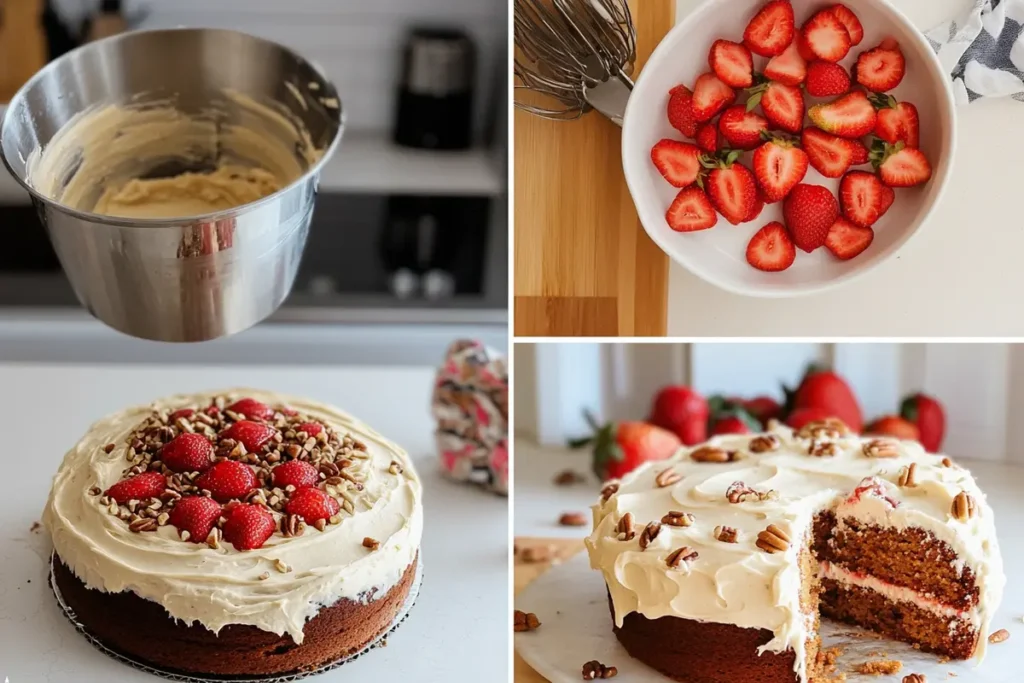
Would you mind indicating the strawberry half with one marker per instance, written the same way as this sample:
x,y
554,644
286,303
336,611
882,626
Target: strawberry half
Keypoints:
x,y
757,208
897,121
827,37
680,111
779,165
732,63
825,79
252,409
140,487
881,69
783,105
788,68
741,128
899,165
888,197
731,187
227,480
846,240
710,96
851,116
860,152
312,505
691,210
771,30
183,412
771,249
707,137
252,435
187,453
803,47
850,21
247,527
297,473
196,515
678,162
860,196
810,211
310,428
830,155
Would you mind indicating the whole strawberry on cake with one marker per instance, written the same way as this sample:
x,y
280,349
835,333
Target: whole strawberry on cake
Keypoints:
x,y
237,533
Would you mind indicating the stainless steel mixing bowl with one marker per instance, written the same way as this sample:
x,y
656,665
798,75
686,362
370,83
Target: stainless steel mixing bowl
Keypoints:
x,y
195,278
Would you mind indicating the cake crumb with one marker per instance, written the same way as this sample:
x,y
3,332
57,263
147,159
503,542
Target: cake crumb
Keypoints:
x,y
573,519
35,527
999,636
568,478
879,667
536,553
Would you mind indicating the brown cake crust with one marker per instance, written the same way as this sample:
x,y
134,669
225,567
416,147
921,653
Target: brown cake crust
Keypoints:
x,y
143,631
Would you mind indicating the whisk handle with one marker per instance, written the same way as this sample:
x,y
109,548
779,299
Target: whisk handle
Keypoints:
x,y
610,97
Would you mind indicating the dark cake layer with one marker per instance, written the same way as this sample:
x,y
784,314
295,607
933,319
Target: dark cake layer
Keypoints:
x,y
143,631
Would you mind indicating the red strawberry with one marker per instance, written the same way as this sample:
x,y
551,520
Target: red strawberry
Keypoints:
x,y
860,196
682,411
825,79
311,428
621,448
827,37
927,414
788,68
227,479
252,409
846,240
771,249
729,425
803,47
778,166
888,197
897,121
860,153
183,412
810,210
247,527
691,210
707,137
732,63
196,515
894,426
900,166
252,435
296,473
680,111
882,68
678,162
783,105
851,116
764,408
771,30
139,487
850,21
710,96
732,189
830,155
829,392
757,209
740,128
312,504
803,416
187,453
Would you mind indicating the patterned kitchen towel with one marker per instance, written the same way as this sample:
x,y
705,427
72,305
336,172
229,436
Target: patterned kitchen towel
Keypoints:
x,y
983,50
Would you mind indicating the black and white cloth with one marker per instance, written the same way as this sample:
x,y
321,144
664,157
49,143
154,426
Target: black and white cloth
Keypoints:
x,y
983,50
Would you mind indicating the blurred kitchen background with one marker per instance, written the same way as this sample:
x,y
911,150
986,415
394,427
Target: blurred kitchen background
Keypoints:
x,y
408,246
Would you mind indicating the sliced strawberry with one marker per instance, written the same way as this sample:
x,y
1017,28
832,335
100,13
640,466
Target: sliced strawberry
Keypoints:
x,y
771,30
312,505
707,137
732,189
140,487
888,197
851,116
788,68
247,527
897,121
227,480
860,196
310,428
825,79
901,166
252,409
809,211
803,47
771,249
691,210
297,473
827,36
732,63
783,105
850,21
779,166
252,435
758,208
882,68
740,128
860,152
680,111
846,240
187,453
831,156
710,96
196,515
678,162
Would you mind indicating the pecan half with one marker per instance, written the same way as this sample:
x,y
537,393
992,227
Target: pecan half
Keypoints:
x,y
881,448
999,636
915,678
823,449
963,507
608,491
649,533
681,555
829,428
908,475
764,443
676,518
726,534
667,478
773,540
371,543
143,524
946,462
710,454
625,529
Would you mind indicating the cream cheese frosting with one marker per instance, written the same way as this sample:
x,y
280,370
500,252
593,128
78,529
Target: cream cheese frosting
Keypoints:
x,y
222,586
738,583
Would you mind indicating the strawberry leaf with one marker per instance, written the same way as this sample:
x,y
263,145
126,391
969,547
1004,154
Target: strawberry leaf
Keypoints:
x,y
908,408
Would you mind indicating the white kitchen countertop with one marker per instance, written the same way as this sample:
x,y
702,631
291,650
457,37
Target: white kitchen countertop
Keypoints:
x,y
958,276
458,630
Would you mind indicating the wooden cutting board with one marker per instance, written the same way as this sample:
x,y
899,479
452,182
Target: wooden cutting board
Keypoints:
x,y
583,264
22,44
525,572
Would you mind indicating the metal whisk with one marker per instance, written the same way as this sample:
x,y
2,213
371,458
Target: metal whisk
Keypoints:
x,y
577,53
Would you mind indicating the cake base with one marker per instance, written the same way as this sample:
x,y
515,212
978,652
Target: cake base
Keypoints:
x,y
236,645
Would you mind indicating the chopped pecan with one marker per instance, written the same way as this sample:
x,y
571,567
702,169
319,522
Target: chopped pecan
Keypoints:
x,y
915,678
830,428
726,534
823,449
773,540
881,448
143,524
649,533
524,621
676,518
371,543
946,462
594,669
764,443
963,507
568,478
681,555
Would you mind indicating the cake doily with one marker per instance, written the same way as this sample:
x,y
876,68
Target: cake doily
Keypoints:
x,y
571,603
410,600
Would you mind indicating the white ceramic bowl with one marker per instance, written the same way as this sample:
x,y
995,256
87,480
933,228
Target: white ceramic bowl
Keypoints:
x,y
718,255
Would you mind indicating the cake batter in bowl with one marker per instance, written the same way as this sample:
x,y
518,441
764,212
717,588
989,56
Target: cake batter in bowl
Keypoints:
x,y
175,172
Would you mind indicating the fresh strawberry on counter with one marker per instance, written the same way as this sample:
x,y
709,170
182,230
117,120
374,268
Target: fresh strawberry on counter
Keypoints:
x,y
829,392
929,417
619,448
764,408
730,416
895,426
802,416
682,411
